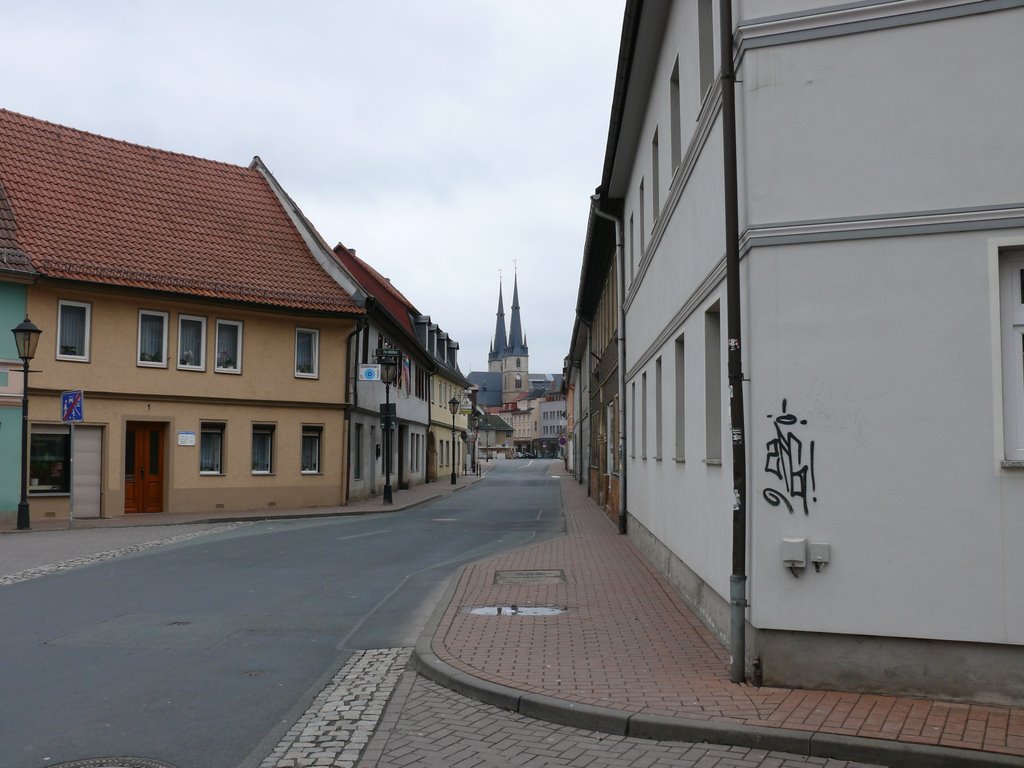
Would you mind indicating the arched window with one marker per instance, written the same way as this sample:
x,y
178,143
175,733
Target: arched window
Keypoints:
x,y
519,363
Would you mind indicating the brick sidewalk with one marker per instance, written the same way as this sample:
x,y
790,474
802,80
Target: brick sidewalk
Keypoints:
x,y
629,643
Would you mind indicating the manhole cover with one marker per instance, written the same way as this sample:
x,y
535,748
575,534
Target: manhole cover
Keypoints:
x,y
516,610
552,576
114,762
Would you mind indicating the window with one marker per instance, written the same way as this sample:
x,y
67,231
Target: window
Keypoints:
x,y
262,449
674,117
643,416
643,244
680,400
307,353
152,339
658,413
191,343
357,454
1011,286
655,191
211,448
311,439
73,331
49,469
706,46
713,385
229,347
632,257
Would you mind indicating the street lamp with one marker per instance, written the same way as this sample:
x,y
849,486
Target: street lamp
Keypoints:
x,y
26,336
453,406
388,359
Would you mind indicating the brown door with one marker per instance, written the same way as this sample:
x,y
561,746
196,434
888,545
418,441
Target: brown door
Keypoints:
x,y
143,467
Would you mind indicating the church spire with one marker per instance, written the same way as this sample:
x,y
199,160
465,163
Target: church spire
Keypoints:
x,y
516,344
500,343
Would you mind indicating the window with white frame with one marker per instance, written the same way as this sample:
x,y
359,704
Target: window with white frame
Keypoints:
x,y
262,449
307,353
680,426
191,343
311,441
211,448
712,385
1011,290
229,347
73,330
152,350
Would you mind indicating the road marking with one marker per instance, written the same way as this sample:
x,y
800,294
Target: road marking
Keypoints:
x,y
364,535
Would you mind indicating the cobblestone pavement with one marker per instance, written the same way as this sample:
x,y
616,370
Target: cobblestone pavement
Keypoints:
x,y
97,557
340,721
428,726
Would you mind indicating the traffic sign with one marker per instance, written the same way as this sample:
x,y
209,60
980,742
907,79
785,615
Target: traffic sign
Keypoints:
x,y
71,406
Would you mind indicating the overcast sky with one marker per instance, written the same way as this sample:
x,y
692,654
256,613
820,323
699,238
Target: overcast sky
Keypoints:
x,y
443,140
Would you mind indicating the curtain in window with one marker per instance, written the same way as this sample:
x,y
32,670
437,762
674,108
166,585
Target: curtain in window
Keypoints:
x,y
151,339
190,343
72,330
311,452
210,451
304,352
227,346
261,451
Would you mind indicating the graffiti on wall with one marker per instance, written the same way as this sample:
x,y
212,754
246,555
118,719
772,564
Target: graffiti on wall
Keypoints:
x,y
791,461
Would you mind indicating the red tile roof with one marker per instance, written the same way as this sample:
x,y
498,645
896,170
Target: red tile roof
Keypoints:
x,y
378,286
99,210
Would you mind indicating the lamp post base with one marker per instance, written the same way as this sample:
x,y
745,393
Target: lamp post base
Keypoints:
x,y
23,518
387,493
453,478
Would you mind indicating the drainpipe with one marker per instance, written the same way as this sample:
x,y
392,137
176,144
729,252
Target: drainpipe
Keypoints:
x,y
351,382
595,206
738,579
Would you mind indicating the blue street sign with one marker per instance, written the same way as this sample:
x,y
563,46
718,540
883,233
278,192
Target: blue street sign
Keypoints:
x,y
71,406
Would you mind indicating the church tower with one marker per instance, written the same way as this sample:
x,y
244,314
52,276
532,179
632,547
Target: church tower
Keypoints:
x,y
515,367
499,343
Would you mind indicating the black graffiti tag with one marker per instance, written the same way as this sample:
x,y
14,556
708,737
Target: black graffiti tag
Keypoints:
x,y
785,460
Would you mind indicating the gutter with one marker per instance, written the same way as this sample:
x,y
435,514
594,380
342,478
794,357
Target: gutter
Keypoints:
x,y
595,201
738,578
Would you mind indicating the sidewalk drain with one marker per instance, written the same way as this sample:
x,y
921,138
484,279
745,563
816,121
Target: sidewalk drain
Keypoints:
x,y
516,610
549,576
114,762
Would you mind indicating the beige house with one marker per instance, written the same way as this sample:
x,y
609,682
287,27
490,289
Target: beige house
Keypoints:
x,y
199,315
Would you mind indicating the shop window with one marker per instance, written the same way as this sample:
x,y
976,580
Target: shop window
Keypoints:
x,y
49,460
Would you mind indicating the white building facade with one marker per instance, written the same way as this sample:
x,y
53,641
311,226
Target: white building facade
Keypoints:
x,y
881,221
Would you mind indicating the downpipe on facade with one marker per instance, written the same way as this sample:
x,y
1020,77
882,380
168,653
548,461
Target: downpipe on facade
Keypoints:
x,y
351,387
620,278
738,578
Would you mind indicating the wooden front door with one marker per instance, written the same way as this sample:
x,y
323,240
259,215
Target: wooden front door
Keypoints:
x,y
143,467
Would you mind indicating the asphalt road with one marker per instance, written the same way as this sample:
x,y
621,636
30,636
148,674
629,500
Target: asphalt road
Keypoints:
x,y
201,654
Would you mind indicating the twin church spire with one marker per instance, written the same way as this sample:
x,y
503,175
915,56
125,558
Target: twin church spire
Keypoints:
x,y
514,343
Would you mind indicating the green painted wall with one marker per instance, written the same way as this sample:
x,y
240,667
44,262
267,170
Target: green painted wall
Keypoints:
x,y
12,312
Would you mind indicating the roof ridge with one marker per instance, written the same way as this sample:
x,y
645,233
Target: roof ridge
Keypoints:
x,y
91,134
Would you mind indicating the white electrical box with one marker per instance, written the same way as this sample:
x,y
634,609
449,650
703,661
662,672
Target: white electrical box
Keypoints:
x,y
794,553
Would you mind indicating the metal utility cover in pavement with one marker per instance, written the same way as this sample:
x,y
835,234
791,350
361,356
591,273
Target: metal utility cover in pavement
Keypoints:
x,y
552,576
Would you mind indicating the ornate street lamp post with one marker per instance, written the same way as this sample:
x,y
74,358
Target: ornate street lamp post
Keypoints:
x,y
388,359
453,406
26,336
